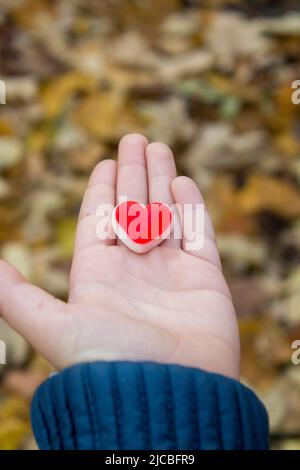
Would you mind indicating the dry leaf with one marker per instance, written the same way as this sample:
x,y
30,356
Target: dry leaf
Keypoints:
x,y
57,93
272,194
106,115
232,38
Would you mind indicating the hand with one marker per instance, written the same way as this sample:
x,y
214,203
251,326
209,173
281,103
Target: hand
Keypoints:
x,y
168,306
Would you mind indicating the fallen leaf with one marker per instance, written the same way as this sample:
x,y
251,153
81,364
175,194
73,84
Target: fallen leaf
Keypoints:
x,y
267,193
106,115
232,38
57,93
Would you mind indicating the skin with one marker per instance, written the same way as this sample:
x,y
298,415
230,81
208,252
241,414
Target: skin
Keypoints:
x,y
168,305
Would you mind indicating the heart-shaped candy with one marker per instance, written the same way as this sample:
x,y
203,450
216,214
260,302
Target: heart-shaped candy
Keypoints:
x,y
141,227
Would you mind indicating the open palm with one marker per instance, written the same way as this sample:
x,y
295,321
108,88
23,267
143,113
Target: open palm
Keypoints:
x,y
168,305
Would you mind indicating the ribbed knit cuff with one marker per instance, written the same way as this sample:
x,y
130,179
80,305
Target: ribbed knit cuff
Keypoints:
x,y
127,405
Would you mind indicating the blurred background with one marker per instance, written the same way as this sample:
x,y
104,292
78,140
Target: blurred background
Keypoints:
x,y
213,80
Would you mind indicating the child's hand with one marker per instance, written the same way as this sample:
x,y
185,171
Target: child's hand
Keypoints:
x,y
167,306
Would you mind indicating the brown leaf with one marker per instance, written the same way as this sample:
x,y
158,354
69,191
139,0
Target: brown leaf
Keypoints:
x,y
58,92
106,115
272,194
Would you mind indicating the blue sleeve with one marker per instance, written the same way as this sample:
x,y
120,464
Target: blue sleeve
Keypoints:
x,y
127,405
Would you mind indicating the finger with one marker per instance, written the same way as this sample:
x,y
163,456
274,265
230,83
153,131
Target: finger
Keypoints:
x,y
100,192
161,170
32,312
190,200
132,174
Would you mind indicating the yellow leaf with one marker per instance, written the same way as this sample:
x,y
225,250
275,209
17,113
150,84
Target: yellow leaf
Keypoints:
x,y
12,433
14,423
267,193
58,92
38,140
106,115
5,128
287,144
28,11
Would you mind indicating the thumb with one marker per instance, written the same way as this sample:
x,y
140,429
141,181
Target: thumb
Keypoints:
x,y
29,310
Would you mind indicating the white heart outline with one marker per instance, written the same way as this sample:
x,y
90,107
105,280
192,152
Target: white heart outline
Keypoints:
x,y
140,247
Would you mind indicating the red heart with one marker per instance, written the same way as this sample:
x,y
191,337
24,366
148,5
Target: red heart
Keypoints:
x,y
142,227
